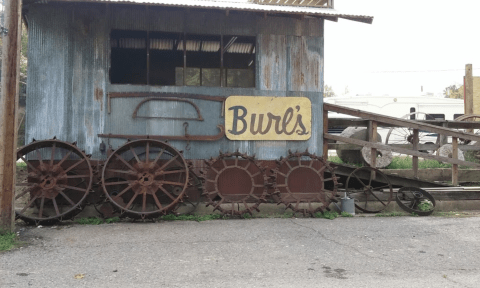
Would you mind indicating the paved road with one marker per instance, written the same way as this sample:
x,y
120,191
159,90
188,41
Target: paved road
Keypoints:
x,y
345,252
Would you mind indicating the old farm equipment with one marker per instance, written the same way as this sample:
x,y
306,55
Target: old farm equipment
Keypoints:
x,y
146,176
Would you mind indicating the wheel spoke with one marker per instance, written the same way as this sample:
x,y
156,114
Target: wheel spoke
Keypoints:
x,y
159,155
24,192
361,182
39,156
55,205
144,201
124,190
134,154
74,165
147,152
66,197
373,194
118,183
42,203
125,162
29,203
168,162
157,202
75,176
170,172
29,164
167,193
65,158
72,188
53,154
131,201
130,172
172,183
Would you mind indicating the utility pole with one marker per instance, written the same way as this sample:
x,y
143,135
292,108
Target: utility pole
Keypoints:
x,y
11,34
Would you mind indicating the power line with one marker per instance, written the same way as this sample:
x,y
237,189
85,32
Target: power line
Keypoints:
x,y
420,71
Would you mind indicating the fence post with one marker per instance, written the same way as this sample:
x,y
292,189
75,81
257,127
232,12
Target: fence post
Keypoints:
x,y
415,158
454,156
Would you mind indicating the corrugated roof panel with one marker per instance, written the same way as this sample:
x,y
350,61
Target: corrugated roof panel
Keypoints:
x,y
244,5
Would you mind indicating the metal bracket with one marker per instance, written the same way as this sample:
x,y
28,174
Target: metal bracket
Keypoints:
x,y
4,31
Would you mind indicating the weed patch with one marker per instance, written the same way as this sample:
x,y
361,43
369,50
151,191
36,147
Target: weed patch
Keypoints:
x,y
7,241
112,220
345,214
326,215
89,221
391,214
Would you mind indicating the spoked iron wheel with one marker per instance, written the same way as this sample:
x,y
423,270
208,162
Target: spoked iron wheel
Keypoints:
x,y
235,183
58,181
301,185
152,178
404,135
415,200
361,189
468,118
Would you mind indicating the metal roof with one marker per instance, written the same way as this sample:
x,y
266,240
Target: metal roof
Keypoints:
x,y
244,5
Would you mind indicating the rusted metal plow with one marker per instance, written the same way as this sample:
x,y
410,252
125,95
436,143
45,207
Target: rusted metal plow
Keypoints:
x,y
300,183
235,183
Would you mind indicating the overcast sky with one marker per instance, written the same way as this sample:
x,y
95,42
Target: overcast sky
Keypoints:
x,y
424,36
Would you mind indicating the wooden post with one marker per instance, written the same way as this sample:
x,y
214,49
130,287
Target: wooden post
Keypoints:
x,y
8,110
415,158
325,131
468,90
454,156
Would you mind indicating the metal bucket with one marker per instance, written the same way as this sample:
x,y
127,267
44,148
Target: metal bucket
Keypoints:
x,y
348,205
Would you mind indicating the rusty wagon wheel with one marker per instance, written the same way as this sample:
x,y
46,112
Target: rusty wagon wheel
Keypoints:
x,y
355,187
153,174
468,118
235,183
300,183
415,200
57,180
404,135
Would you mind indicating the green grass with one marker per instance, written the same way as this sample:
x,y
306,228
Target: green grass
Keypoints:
x,y
21,165
336,159
391,214
90,221
326,215
7,241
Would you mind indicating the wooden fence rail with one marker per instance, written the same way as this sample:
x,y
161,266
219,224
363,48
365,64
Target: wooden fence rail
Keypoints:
x,y
373,120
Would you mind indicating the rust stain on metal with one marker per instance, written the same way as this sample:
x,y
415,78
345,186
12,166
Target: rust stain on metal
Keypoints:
x,y
88,125
187,137
199,118
99,97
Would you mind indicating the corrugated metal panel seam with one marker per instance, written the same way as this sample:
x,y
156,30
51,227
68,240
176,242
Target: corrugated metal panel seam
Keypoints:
x,y
245,6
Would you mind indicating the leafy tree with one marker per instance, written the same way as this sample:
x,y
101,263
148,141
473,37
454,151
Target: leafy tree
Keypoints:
x,y
453,91
328,91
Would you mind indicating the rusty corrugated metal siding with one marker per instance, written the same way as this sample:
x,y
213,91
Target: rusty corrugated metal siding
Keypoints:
x,y
69,50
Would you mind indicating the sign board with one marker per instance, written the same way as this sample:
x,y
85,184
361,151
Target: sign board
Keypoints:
x,y
268,118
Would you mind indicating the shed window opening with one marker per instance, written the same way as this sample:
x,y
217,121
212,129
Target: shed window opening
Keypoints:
x,y
177,59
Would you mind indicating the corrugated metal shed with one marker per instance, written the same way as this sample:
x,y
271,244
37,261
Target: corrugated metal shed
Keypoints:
x,y
244,5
